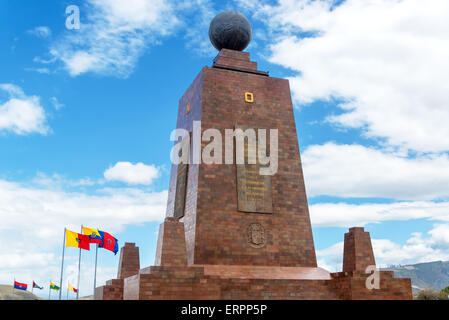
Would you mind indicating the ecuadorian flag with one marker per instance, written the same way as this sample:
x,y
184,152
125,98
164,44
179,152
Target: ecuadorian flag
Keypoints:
x,y
94,235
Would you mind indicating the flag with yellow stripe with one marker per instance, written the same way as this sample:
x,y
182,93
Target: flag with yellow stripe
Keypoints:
x,y
71,288
94,235
54,287
77,240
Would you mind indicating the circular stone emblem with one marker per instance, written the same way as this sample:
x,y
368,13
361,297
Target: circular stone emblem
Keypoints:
x,y
256,235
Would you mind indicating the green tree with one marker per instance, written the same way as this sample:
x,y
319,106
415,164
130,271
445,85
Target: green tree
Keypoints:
x,y
430,294
445,290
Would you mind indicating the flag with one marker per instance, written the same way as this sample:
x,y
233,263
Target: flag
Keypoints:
x,y
72,288
109,242
94,235
53,286
77,240
20,286
36,286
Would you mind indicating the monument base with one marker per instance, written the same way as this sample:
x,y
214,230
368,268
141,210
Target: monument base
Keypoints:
x,y
113,290
221,282
173,279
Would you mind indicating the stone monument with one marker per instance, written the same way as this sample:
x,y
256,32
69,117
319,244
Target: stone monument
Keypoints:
x,y
230,232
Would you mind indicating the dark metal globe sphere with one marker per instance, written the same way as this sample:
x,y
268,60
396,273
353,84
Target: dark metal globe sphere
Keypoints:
x,y
230,30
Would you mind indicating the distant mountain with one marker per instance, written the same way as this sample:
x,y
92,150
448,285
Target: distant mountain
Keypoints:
x,y
424,275
7,293
86,298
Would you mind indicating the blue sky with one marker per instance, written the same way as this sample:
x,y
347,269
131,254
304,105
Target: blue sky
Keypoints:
x,y
86,116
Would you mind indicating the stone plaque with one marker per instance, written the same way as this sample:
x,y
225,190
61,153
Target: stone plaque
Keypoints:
x,y
253,189
181,187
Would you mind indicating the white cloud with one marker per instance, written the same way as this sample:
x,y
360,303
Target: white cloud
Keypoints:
x,y
331,258
358,171
57,181
127,172
24,260
113,34
39,70
440,235
56,104
42,212
198,36
32,220
387,59
21,114
33,215
349,215
41,32
43,268
416,249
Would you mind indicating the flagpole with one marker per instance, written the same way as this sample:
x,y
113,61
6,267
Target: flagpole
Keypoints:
x,y
67,290
62,265
79,269
95,272
49,290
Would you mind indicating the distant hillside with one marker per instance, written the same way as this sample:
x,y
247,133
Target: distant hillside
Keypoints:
x,y
6,293
425,275
84,298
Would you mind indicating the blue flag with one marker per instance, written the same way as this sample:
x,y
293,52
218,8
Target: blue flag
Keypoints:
x,y
20,286
109,242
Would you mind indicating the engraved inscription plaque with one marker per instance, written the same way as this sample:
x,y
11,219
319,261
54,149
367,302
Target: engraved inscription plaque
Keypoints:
x,y
253,189
181,186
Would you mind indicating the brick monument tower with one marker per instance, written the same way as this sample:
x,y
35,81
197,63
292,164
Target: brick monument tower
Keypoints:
x,y
231,232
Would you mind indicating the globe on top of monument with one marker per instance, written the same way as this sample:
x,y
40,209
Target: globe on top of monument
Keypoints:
x,y
230,30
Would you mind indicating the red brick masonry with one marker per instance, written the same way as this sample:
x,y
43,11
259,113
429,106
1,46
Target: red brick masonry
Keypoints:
x,y
216,231
358,253
229,282
129,264
206,253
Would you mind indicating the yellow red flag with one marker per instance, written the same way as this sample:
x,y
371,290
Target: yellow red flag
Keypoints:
x,y
71,288
73,239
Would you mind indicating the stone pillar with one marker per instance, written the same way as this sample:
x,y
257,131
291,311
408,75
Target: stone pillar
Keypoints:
x,y
358,252
234,59
129,263
171,244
